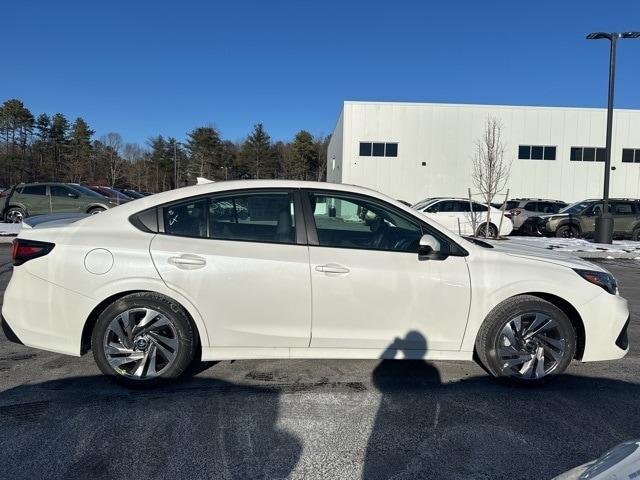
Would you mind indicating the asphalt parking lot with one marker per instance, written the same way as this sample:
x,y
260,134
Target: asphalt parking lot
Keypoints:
x,y
59,418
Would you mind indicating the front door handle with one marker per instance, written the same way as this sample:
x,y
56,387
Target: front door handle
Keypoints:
x,y
332,268
188,261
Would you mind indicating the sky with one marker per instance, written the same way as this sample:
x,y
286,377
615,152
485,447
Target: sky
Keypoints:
x,y
143,68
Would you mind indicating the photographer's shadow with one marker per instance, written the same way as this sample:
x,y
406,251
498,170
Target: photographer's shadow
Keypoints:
x,y
401,385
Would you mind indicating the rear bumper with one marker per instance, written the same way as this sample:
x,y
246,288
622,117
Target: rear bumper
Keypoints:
x,y
606,319
40,314
8,332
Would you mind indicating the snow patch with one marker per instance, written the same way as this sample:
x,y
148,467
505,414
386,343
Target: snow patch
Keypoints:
x,y
584,248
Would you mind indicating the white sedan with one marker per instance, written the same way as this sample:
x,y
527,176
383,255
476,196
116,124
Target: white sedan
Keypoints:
x,y
284,269
465,217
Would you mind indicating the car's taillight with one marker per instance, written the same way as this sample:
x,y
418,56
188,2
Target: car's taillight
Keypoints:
x,y
25,250
515,212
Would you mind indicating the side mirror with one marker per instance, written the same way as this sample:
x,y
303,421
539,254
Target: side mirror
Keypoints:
x,y
429,247
73,195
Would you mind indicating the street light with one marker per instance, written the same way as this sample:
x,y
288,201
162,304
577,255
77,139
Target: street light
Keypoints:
x,y
604,223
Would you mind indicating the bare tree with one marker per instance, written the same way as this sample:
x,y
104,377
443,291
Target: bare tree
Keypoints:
x,y
113,142
490,169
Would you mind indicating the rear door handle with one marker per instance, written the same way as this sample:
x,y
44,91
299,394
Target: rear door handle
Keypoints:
x,y
332,268
187,261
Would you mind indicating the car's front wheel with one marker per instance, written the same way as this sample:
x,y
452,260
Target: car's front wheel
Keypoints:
x,y
568,231
142,339
526,339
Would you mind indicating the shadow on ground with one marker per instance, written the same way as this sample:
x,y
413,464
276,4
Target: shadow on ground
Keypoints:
x,y
87,427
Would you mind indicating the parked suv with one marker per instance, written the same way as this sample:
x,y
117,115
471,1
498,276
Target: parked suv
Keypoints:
x,y
579,219
29,199
519,209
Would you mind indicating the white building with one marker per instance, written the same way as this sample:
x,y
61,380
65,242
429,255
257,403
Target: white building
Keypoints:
x,y
411,151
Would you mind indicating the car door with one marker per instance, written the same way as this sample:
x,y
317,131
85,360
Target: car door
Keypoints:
x,y
370,289
35,198
444,213
624,218
242,260
64,199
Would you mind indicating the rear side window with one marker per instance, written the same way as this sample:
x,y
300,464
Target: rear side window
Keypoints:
x,y
623,208
257,217
187,219
34,190
531,206
511,204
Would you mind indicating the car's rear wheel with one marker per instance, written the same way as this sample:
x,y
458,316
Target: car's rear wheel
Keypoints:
x,y
493,231
15,215
95,210
143,339
526,340
568,231
635,235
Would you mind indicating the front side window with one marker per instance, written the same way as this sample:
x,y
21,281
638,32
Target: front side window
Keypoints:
x,y
34,190
353,222
60,191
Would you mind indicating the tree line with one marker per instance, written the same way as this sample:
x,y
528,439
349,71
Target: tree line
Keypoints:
x,y
50,148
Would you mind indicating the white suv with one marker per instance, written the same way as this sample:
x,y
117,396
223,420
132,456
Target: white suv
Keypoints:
x,y
461,216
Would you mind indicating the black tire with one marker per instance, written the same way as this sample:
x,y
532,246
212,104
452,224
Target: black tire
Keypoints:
x,y
635,235
493,231
181,332
568,231
95,210
491,343
15,215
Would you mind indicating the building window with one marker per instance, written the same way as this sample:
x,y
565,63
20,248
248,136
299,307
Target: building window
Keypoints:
x,y
378,149
365,149
391,150
628,155
587,154
536,152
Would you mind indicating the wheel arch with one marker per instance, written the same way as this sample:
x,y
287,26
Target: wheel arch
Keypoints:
x,y
87,329
569,310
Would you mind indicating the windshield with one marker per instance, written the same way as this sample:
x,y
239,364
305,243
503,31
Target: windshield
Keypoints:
x,y
86,191
575,207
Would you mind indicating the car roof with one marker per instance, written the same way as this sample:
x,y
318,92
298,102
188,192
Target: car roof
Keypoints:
x,y
524,199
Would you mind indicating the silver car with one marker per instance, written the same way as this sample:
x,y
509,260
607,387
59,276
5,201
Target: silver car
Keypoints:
x,y
519,209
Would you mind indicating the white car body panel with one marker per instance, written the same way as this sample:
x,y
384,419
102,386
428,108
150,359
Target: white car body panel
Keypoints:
x,y
266,285
268,301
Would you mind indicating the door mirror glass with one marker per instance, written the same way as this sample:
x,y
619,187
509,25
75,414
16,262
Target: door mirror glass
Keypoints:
x,y
429,247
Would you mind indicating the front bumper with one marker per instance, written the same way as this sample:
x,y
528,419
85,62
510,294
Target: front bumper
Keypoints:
x,y
8,331
606,319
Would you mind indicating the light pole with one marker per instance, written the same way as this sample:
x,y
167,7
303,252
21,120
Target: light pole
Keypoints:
x,y
604,222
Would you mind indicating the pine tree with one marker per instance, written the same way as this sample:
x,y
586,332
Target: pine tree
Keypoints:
x,y
80,150
205,151
257,158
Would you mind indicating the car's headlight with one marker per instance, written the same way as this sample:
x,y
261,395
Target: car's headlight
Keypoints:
x,y
601,279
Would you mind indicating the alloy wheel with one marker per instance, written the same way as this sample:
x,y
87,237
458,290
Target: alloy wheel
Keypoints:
x,y
530,346
15,216
140,343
